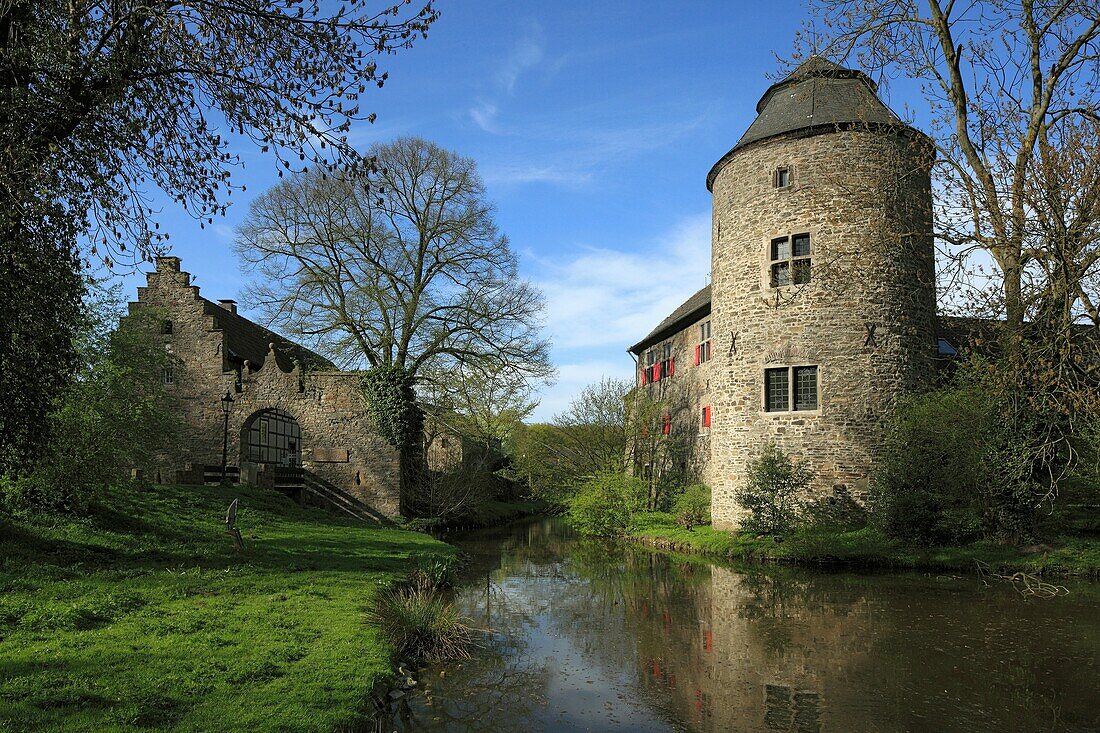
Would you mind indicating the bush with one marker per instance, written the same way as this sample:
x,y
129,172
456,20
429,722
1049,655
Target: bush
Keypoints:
x,y
692,507
772,490
931,467
959,463
421,624
604,506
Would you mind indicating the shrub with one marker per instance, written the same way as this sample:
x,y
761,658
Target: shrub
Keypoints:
x,y
692,507
772,490
604,505
421,624
958,463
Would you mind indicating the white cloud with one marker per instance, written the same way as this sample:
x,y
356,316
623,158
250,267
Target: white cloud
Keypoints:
x,y
574,377
525,54
607,296
604,300
484,116
511,174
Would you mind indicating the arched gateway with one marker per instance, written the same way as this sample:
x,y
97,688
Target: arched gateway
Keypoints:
x,y
272,437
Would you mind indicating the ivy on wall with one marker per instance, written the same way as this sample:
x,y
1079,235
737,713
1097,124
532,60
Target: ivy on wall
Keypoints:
x,y
391,404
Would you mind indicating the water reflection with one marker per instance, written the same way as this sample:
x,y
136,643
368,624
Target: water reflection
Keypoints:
x,y
587,636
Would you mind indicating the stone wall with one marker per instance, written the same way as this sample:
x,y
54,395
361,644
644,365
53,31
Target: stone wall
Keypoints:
x,y
682,397
865,319
339,443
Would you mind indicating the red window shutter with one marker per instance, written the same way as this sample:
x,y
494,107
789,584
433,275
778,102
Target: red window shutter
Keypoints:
x,y
706,416
666,427
696,354
657,372
643,377
672,366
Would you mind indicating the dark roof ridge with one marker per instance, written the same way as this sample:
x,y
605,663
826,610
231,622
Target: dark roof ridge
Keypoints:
x,y
815,66
690,310
249,341
817,97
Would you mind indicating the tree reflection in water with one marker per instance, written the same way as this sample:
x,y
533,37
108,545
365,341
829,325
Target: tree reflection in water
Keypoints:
x,y
589,636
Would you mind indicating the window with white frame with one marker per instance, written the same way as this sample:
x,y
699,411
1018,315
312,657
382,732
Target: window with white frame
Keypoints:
x,y
782,176
790,389
789,260
703,348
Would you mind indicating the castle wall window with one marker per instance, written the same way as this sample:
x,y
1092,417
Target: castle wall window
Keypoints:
x,y
706,416
650,362
790,389
668,361
169,376
703,348
783,176
166,328
790,260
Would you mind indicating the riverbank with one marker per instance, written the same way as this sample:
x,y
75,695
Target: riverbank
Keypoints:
x,y
491,513
144,616
1066,556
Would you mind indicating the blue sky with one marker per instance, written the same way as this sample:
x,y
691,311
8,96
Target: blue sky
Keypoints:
x,y
593,124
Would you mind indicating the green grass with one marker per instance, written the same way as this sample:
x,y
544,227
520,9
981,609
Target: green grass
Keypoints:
x,y
867,547
145,617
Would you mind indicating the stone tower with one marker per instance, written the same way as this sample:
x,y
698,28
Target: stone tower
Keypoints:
x,y
823,281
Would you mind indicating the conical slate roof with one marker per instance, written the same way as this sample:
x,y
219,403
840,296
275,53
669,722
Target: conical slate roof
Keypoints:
x,y
819,93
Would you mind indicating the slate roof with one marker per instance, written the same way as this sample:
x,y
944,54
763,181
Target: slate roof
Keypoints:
x,y
691,310
817,94
245,340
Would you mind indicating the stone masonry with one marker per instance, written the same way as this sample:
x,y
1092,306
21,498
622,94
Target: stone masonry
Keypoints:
x,y
219,351
825,159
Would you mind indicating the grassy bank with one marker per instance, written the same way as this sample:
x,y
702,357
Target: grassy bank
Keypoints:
x,y
1078,555
145,616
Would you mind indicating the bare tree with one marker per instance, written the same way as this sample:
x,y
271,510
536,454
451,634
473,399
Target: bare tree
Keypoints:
x,y
1000,77
404,268
403,272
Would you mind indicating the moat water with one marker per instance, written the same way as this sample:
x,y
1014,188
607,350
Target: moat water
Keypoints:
x,y
590,637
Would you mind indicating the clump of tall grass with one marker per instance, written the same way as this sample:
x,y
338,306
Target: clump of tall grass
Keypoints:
x,y
419,619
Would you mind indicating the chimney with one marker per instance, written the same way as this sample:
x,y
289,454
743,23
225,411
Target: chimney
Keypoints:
x,y
229,304
168,264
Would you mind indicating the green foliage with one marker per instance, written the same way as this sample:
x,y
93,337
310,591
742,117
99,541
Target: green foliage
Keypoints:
x,y
959,463
771,493
391,404
604,505
421,624
114,416
280,626
40,315
692,507
867,547
545,463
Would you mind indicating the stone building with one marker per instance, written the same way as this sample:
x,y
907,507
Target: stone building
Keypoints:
x,y
821,307
295,421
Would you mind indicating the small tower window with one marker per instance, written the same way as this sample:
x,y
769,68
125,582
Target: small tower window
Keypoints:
x,y
783,176
169,376
166,327
790,260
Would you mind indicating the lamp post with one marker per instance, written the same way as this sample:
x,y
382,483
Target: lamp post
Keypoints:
x,y
227,405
